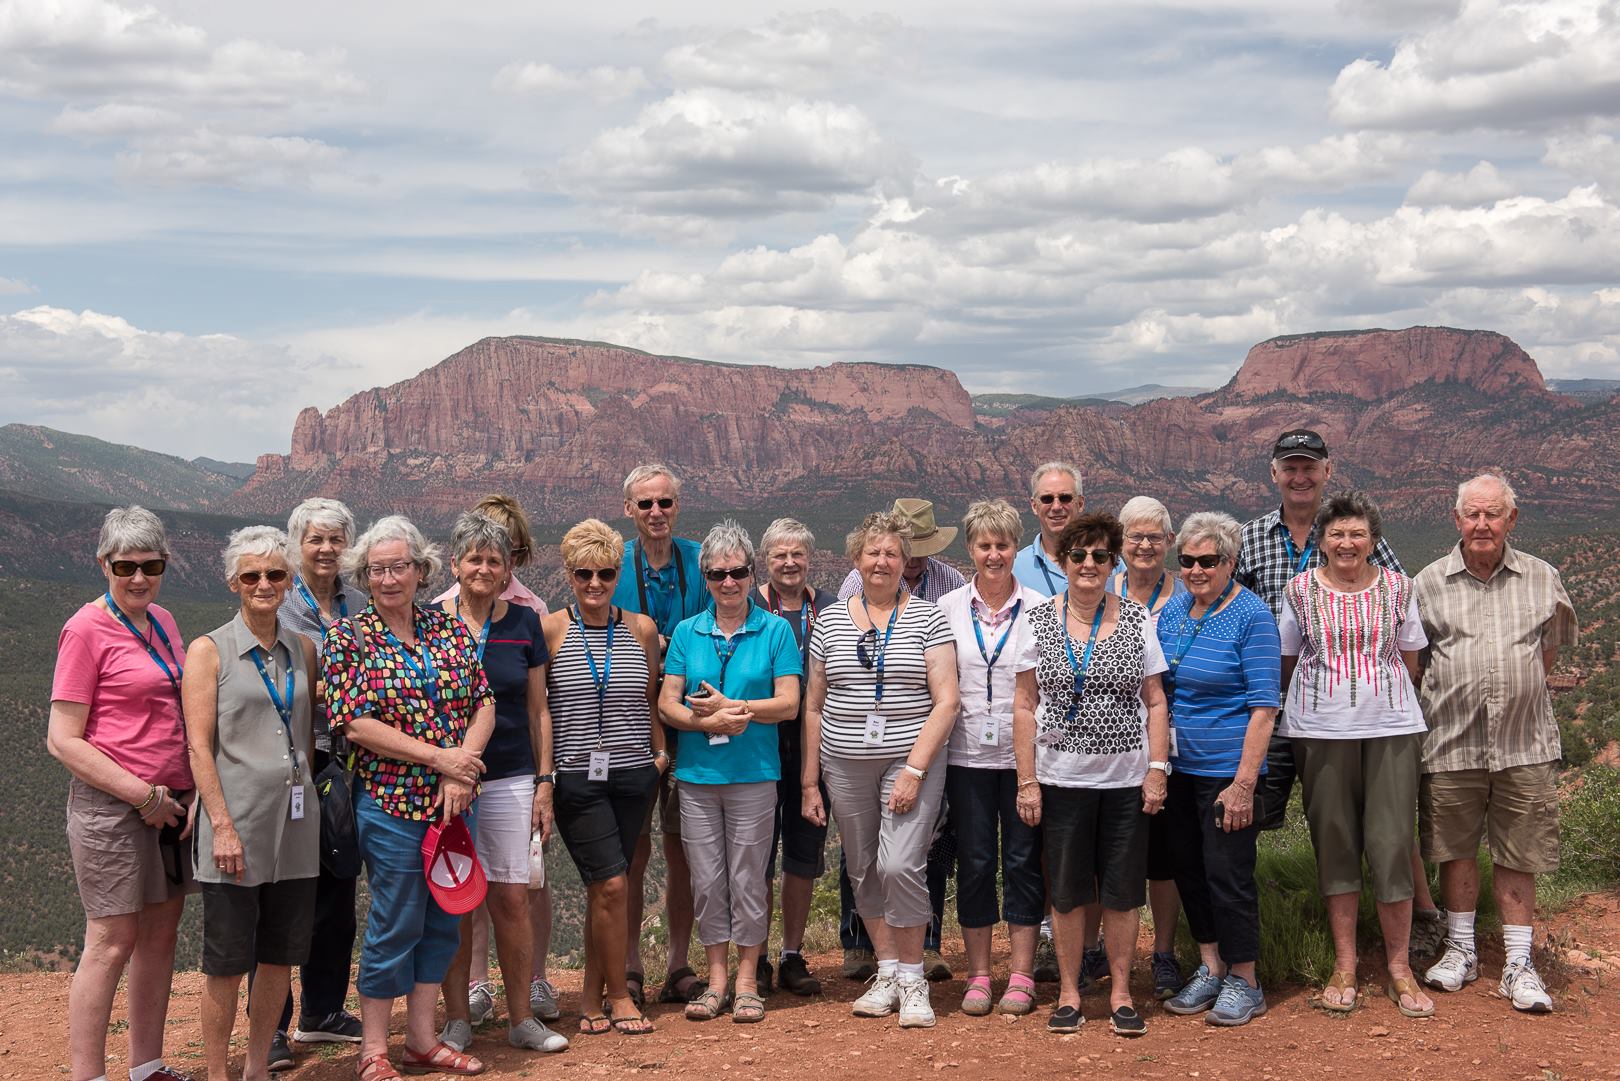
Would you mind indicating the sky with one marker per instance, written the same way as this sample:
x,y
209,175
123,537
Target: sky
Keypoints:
x,y
214,215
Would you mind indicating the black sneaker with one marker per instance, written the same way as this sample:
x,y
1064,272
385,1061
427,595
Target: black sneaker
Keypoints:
x,y
1125,1021
339,1027
281,1056
762,976
796,976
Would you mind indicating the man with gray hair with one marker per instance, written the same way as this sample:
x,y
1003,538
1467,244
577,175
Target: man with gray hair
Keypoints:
x,y
1056,498
1495,618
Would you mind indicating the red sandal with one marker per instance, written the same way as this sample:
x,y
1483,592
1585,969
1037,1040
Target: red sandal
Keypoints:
x,y
375,1068
441,1058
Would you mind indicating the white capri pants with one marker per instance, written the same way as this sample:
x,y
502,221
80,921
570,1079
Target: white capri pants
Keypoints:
x,y
886,854
726,831
505,809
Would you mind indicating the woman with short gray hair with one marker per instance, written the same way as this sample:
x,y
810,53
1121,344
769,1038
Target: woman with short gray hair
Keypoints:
x,y
731,675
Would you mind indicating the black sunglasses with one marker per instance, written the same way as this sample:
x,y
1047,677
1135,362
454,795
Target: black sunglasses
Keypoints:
x,y
1062,497
251,578
585,574
1100,556
663,504
126,568
1301,441
1209,562
717,574
867,658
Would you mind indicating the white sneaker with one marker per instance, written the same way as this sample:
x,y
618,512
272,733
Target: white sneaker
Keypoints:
x,y
457,1035
915,1009
881,999
1455,968
480,1002
1522,986
534,1036
543,1000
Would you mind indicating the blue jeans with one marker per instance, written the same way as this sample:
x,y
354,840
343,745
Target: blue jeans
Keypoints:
x,y
409,938
984,806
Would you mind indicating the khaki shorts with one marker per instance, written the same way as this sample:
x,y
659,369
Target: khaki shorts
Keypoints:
x,y
119,864
1517,807
666,802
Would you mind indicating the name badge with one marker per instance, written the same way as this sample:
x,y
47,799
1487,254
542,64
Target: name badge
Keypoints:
x,y
296,807
598,768
1173,741
1049,738
875,725
990,736
717,739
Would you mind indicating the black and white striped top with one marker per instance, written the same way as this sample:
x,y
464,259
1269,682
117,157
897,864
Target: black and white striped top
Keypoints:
x,y
851,686
626,720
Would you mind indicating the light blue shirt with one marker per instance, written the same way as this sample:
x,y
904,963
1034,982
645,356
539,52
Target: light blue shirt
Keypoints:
x,y
1034,571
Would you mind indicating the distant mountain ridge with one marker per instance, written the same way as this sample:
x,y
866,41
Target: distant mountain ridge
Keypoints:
x,y
60,465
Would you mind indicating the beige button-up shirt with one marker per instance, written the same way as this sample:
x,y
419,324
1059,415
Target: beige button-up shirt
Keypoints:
x,y
1485,690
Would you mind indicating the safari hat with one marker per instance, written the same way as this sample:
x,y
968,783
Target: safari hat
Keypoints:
x,y
928,538
455,878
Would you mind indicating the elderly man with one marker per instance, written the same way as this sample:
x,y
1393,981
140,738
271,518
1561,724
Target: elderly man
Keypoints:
x,y
1056,498
1495,618
662,580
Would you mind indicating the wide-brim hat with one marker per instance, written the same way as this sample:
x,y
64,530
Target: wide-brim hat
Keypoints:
x,y
928,537
455,878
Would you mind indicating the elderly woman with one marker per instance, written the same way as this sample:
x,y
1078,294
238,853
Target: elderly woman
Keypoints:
x,y
116,724
601,756
249,688
513,652
1350,643
1091,741
1146,580
787,592
881,703
730,677
989,618
1220,642
404,684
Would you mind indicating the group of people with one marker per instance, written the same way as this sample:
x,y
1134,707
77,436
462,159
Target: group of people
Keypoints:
x,y
1101,719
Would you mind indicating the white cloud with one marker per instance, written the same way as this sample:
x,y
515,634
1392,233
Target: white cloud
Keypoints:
x,y
15,287
1589,157
206,156
603,83
1481,184
814,51
115,120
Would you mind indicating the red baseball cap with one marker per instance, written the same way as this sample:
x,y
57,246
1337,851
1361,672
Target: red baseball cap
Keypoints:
x,y
450,863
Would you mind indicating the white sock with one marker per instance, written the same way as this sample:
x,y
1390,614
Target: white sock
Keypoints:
x,y
888,968
1046,928
911,973
1460,929
145,1070
786,953
1516,940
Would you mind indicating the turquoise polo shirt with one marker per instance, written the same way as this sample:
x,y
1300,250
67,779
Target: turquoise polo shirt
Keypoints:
x,y
765,649
668,595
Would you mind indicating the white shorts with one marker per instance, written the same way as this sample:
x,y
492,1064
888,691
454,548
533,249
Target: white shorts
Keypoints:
x,y
505,808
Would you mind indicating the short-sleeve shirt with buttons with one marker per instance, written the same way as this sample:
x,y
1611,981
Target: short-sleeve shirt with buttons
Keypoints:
x,y
1268,561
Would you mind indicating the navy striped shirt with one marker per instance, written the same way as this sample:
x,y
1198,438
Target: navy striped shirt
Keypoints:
x,y
626,718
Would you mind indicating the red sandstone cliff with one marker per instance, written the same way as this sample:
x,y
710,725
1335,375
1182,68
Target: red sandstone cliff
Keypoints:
x,y
1375,364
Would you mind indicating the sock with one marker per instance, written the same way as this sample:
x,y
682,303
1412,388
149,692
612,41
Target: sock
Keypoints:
x,y
145,1070
1516,941
786,953
888,968
1046,928
911,973
1021,979
1460,929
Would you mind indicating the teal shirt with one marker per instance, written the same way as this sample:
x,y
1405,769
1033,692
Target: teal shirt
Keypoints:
x,y
668,595
765,649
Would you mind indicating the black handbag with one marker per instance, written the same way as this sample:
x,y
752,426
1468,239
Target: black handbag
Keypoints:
x,y
340,844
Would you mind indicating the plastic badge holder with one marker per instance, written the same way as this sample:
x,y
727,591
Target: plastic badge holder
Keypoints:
x,y
537,862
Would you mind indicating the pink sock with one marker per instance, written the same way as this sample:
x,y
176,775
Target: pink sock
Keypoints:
x,y
1021,980
979,981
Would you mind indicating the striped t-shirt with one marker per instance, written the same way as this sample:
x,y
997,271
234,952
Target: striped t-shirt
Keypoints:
x,y
625,729
851,686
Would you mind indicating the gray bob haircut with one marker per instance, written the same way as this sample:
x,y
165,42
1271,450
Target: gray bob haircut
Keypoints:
x,y
1057,467
318,512
1350,505
395,527
1209,525
1146,508
131,529
787,531
726,536
993,516
476,532
264,541
648,472
1509,497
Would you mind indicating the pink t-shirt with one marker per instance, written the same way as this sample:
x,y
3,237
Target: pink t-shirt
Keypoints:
x,y
516,592
135,717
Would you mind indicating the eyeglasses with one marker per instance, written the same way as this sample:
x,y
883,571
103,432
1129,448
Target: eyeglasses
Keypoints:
x,y
251,578
603,575
663,504
1208,563
718,574
378,571
1062,497
1145,540
126,568
1100,556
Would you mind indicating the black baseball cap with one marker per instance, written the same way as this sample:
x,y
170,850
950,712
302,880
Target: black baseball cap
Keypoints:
x,y
1299,443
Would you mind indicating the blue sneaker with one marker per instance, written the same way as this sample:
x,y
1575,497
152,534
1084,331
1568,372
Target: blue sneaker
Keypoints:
x,y
1198,995
1238,1003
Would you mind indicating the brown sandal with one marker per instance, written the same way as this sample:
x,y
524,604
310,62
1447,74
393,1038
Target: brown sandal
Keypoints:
x,y
375,1068
441,1058
1400,987
1341,981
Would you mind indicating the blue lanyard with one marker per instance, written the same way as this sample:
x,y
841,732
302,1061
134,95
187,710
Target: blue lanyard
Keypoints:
x,y
174,674
1121,582
1040,564
644,571
725,649
483,635
881,646
990,659
599,676
284,707
309,599
1078,667
426,675
1300,560
1182,646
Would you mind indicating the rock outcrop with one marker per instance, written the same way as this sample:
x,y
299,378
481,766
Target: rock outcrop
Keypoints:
x,y
1375,364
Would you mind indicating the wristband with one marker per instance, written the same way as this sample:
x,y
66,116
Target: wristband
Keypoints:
x,y
920,774
545,778
151,798
1162,767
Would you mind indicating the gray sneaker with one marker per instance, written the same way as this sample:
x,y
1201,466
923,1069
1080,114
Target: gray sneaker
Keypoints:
x,y
1238,1003
534,1036
480,1002
881,999
1197,996
457,1035
916,1011
543,1000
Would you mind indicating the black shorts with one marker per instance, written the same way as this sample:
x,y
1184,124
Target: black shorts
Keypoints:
x,y
1161,858
1096,847
804,844
244,926
600,821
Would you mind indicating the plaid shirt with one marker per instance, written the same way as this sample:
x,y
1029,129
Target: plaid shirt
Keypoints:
x,y
1484,692
1265,564
938,580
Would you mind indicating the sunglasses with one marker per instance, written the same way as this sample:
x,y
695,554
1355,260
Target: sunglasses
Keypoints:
x,y
1100,556
739,574
1063,497
126,568
867,657
251,578
585,574
663,504
1208,563
1301,441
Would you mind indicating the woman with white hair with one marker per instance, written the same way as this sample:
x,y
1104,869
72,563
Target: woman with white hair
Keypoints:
x,y
249,692
405,685
731,675
116,724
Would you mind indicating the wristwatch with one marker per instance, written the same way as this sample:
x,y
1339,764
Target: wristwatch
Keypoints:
x,y
920,774
545,778
1164,766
